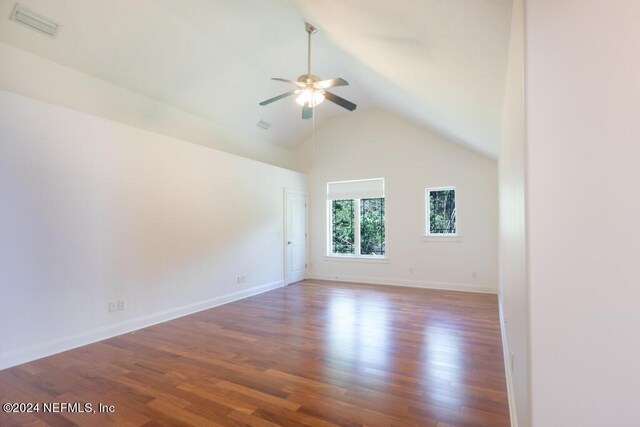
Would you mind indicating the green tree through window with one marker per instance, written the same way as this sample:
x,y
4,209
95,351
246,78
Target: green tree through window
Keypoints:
x,y
367,214
442,211
372,227
343,235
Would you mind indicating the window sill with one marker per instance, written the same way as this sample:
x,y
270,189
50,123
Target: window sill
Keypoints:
x,y
444,238
353,258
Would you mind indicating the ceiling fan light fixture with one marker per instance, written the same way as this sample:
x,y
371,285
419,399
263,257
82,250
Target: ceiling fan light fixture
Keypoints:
x,y
310,97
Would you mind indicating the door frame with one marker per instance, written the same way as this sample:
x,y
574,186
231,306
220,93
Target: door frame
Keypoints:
x,y
286,193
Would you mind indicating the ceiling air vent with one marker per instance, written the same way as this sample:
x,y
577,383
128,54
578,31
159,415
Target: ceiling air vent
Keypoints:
x,y
263,124
34,21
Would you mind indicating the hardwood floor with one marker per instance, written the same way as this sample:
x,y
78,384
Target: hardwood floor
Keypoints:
x,y
310,354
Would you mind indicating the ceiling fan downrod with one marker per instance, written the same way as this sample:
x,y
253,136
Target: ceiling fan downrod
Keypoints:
x,y
311,30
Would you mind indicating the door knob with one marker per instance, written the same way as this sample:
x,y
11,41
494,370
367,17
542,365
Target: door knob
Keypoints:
x,y
288,243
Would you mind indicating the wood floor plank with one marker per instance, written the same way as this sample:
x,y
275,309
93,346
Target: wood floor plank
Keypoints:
x,y
314,353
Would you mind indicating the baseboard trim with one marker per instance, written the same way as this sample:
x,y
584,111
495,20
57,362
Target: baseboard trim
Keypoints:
x,y
507,368
447,286
58,345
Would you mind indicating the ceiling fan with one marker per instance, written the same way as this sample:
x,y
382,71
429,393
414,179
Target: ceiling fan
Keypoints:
x,y
311,90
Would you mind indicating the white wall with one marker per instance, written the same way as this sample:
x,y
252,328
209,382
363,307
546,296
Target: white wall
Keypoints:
x,y
38,78
514,300
583,210
373,144
94,211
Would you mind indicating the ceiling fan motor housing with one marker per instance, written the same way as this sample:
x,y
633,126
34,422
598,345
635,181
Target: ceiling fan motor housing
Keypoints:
x,y
308,79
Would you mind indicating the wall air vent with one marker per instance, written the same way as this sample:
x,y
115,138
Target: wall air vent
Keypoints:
x,y
34,21
263,124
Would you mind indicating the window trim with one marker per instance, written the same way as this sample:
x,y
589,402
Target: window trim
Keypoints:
x,y
356,256
360,258
448,237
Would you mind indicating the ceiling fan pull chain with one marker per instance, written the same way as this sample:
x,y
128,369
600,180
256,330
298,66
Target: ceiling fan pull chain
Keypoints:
x,y
313,140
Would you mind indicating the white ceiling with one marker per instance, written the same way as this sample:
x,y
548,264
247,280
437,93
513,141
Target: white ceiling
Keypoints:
x,y
439,63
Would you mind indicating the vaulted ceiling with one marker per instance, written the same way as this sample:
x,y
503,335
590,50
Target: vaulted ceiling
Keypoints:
x,y
441,64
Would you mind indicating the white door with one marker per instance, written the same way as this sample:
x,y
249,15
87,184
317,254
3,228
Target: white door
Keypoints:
x,y
295,235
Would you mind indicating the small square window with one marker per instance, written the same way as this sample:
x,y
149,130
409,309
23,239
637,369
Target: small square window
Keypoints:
x,y
441,218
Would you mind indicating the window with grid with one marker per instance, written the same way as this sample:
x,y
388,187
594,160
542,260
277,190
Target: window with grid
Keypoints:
x,y
356,218
441,216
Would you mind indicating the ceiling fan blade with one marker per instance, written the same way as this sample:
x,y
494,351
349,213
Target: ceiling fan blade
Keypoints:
x,y
340,101
332,83
299,84
307,112
275,98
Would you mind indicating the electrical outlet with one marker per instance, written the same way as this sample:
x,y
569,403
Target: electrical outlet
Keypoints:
x,y
121,305
113,306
